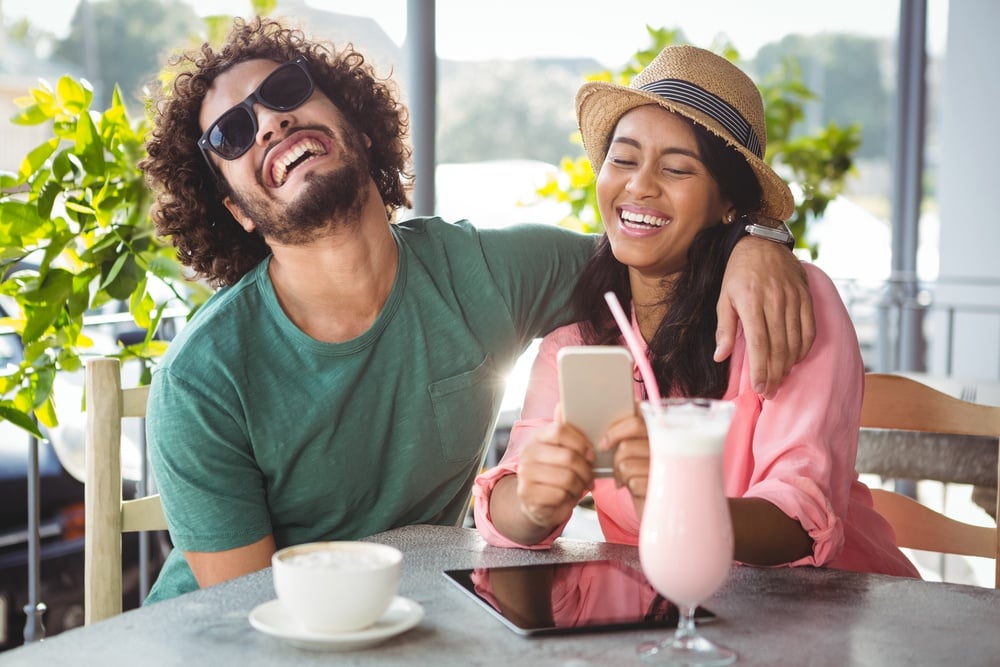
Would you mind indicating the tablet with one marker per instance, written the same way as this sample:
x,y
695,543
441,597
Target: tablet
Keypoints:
x,y
563,598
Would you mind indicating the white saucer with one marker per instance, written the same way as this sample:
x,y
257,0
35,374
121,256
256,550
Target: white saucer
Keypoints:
x,y
272,619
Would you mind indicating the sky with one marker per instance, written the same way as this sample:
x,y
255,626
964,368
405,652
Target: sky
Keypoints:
x,y
608,32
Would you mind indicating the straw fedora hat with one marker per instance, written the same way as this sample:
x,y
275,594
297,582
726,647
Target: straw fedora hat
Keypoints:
x,y
699,85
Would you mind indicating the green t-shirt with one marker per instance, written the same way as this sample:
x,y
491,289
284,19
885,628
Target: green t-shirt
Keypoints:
x,y
256,428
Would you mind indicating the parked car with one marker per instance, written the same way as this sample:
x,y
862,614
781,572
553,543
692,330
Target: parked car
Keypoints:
x,y
61,513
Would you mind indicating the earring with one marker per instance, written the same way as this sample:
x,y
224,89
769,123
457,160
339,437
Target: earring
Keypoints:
x,y
730,219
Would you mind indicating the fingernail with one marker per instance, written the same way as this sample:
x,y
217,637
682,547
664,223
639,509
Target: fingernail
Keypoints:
x,y
759,388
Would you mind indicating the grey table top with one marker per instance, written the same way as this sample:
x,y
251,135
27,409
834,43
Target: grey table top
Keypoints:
x,y
781,616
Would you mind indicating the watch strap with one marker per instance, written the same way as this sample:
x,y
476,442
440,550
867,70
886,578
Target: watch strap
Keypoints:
x,y
770,229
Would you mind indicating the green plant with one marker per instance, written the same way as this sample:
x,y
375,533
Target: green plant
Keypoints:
x,y
816,164
75,235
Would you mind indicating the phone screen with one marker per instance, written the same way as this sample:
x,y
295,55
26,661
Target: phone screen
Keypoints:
x,y
558,598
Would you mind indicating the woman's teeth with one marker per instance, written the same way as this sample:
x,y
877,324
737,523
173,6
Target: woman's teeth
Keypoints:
x,y
631,219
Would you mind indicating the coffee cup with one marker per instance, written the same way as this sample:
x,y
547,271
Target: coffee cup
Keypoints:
x,y
336,587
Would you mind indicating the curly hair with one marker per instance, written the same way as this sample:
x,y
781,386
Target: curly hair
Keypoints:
x,y
188,205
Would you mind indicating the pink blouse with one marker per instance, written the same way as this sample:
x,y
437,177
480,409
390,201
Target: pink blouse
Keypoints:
x,y
797,450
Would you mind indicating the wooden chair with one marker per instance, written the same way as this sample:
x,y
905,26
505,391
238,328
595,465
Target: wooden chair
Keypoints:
x,y
897,402
108,515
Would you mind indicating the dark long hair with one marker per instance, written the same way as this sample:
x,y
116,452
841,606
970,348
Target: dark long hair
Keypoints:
x,y
682,347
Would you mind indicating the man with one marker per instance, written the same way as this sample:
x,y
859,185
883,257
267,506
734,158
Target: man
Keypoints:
x,y
346,378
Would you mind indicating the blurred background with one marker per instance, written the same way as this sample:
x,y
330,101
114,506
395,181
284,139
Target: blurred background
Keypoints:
x,y
909,235
505,79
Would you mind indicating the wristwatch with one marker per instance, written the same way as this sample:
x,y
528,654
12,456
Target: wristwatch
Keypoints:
x,y
768,228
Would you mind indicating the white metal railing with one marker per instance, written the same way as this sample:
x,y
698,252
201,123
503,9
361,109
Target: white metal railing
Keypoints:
x,y
881,316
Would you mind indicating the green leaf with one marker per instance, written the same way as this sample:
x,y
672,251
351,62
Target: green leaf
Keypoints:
x,y
40,318
15,216
47,198
34,160
62,165
141,306
78,302
263,7
115,269
39,353
123,277
74,96
42,383
8,181
57,243
55,286
79,208
30,115
45,99
89,148
19,418
46,413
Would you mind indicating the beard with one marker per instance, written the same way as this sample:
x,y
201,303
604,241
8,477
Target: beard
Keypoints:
x,y
327,201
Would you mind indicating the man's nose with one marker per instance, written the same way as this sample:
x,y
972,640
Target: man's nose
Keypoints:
x,y
270,123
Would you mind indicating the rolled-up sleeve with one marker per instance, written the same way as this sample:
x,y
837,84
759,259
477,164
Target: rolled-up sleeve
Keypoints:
x,y
798,451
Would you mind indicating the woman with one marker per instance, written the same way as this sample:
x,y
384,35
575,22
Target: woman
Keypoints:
x,y
678,155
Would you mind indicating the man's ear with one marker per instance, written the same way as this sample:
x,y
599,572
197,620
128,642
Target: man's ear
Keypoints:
x,y
242,218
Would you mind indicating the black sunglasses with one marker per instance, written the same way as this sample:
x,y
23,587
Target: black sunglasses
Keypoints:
x,y
233,133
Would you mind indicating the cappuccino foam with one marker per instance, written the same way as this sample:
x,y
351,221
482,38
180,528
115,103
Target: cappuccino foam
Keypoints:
x,y
335,559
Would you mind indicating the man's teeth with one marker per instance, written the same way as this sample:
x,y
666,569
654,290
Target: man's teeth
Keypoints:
x,y
638,219
281,165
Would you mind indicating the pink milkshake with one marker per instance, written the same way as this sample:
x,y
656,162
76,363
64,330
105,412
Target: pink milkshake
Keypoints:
x,y
686,534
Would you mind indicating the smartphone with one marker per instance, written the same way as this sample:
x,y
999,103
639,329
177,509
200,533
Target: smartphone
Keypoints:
x,y
596,390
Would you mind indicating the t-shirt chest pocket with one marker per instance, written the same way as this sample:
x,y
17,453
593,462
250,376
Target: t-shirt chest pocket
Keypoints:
x,y
464,409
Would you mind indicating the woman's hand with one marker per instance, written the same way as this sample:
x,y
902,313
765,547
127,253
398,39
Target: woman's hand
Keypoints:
x,y
554,472
631,460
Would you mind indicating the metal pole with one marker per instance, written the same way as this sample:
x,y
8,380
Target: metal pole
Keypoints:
x,y
908,193
34,627
420,39
907,190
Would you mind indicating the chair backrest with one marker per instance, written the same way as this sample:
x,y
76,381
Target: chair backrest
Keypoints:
x,y
898,402
108,515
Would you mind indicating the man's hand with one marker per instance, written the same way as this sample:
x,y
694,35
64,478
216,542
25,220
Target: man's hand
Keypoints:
x,y
765,288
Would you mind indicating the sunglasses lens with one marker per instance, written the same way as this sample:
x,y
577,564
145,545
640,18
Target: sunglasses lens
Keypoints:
x,y
232,134
288,87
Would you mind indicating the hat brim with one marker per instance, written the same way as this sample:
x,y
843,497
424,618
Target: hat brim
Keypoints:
x,y
600,105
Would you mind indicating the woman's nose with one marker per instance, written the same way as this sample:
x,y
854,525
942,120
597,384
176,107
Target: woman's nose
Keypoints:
x,y
642,182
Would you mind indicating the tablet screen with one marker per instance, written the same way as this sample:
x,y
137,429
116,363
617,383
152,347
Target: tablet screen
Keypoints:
x,y
555,598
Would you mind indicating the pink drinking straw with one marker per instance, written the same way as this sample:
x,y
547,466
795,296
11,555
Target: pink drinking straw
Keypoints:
x,y
645,370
